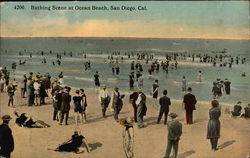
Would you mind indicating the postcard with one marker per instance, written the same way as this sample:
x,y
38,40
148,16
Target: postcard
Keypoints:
x,y
133,79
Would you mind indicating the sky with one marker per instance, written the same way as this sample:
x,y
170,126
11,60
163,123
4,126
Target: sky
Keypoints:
x,y
162,19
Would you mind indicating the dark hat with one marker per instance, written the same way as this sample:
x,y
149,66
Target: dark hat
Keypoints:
x,y
6,117
239,102
189,89
173,115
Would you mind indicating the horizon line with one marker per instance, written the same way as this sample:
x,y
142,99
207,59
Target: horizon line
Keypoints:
x,y
133,37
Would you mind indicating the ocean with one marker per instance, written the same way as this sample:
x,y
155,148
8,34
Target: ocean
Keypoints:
x,y
98,50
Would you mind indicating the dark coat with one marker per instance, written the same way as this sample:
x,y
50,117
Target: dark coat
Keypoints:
x,y
213,127
164,103
189,101
66,99
132,98
174,130
6,140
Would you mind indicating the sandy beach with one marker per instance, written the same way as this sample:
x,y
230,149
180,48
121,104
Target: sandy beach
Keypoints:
x,y
104,135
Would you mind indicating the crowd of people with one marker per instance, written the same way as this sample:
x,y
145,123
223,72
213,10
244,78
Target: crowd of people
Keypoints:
x,y
37,87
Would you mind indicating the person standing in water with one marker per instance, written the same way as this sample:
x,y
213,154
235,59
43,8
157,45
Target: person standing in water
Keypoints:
x,y
96,79
227,84
155,88
184,84
200,76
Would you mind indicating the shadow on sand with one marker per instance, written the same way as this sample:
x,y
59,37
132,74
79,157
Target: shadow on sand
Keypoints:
x,y
226,144
186,154
94,146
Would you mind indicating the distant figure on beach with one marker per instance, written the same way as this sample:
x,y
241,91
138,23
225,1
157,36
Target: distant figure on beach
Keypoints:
x,y
84,104
2,82
128,137
174,134
65,105
117,103
184,84
141,108
131,81
227,84
74,144
246,113
104,99
37,86
164,107
6,138
23,86
237,109
27,121
57,100
140,82
213,127
132,99
154,91
78,109
30,92
96,79
11,92
189,101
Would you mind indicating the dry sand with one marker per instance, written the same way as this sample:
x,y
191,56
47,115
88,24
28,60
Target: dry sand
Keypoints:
x,y
105,135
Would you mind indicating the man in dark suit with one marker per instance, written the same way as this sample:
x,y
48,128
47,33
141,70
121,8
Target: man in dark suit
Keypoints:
x,y
164,109
132,99
174,134
189,102
6,138
65,105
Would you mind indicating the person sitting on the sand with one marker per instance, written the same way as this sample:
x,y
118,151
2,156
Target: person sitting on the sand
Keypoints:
x,y
237,109
74,144
246,114
24,121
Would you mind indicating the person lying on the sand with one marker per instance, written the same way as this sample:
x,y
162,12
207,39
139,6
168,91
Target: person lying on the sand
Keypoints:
x,y
74,144
25,121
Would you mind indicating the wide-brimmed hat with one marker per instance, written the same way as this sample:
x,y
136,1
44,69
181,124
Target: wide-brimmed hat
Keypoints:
x,y
173,115
6,117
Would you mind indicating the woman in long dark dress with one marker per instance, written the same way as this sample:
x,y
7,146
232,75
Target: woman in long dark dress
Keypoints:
x,y
213,128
